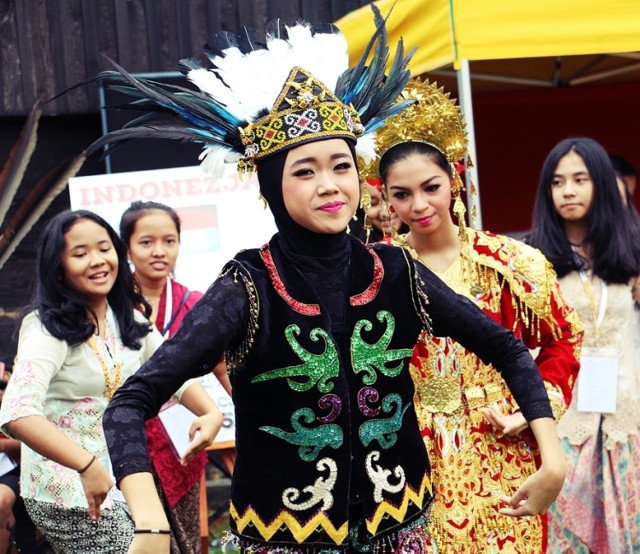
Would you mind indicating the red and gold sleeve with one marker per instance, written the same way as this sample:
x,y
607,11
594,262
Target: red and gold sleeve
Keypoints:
x,y
558,338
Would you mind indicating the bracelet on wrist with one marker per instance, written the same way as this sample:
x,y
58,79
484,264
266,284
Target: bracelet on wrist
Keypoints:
x,y
152,532
81,471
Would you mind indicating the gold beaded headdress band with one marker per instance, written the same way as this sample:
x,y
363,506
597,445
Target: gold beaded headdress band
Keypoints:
x,y
433,119
305,110
263,96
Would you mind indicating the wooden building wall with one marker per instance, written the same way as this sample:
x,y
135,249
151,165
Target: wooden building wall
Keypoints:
x,y
47,46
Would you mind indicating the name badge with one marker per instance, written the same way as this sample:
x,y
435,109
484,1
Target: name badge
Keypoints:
x,y
598,382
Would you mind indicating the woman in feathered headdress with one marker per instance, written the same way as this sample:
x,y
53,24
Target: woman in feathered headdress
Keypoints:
x,y
477,437
317,329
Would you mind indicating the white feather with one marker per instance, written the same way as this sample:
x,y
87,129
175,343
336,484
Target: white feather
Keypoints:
x,y
209,83
366,147
334,59
247,83
214,161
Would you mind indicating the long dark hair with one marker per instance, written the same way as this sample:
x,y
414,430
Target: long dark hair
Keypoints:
x,y
62,309
138,209
612,234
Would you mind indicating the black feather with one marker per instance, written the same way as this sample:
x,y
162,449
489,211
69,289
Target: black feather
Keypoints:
x,y
366,87
188,64
219,42
277,28
248,41
325,28
391,89
168,111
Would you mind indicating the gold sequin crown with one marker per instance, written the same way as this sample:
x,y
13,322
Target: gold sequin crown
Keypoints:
x,y
434,119
304,110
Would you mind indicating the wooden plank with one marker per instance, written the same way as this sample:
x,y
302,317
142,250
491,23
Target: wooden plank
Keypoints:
x,y
170,44
249,14
314,12
123,32
200,28
91,37
58,61
11,89
107,37
68,54
154,35
27,20
183,26
48,45
212,15
340,8
132,32
284,9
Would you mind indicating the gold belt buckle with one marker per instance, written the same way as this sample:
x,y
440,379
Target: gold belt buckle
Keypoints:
x,y
440,394
494,393
475,397
483,395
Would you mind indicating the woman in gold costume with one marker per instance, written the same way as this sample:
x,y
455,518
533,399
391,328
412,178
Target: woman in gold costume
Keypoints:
x,y
479,444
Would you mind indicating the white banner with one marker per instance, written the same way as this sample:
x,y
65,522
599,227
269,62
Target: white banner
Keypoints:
x,y
219,216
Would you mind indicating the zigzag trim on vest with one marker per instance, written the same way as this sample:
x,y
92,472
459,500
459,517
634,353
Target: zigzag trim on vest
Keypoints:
x,y
300,532
399,512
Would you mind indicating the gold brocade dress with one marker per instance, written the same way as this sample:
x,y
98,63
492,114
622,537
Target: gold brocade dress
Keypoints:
x,y
472,465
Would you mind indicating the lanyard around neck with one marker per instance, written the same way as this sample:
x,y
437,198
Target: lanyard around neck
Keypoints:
x,y
598,312
168,305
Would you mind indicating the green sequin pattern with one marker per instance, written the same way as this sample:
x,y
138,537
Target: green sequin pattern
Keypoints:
x,y
385,431
369,357
311,440
317,369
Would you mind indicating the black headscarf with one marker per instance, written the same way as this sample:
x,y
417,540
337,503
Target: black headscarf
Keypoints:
x,y
322,258
300,239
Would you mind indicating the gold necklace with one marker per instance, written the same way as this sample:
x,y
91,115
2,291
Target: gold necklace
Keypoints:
x,y
109,387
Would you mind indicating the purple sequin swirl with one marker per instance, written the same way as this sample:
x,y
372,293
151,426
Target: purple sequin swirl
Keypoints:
x,y
365,394
330,402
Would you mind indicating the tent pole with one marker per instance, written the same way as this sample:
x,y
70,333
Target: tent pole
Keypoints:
x,y
471,174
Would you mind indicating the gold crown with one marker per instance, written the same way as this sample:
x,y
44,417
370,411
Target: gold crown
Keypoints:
x,y
434,119
304,110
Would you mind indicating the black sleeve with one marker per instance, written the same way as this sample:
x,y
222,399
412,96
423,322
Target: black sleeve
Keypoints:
x,y
220,318
455,316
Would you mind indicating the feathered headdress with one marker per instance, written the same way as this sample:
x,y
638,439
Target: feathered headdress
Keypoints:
x,y
261,97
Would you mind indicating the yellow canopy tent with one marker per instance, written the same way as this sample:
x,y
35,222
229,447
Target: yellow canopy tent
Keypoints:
x,y
452,32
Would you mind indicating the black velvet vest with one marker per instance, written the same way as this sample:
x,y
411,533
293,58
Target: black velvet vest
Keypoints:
x,y
326,427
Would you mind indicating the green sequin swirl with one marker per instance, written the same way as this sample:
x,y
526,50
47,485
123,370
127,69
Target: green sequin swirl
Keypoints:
x,y
385,431
310,440
368,357
317,369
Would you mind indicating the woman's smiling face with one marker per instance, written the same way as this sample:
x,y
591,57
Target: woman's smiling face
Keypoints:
x,y
420,192
320,185
89,261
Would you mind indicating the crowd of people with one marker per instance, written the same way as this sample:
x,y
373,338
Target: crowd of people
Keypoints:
x,y
402,382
